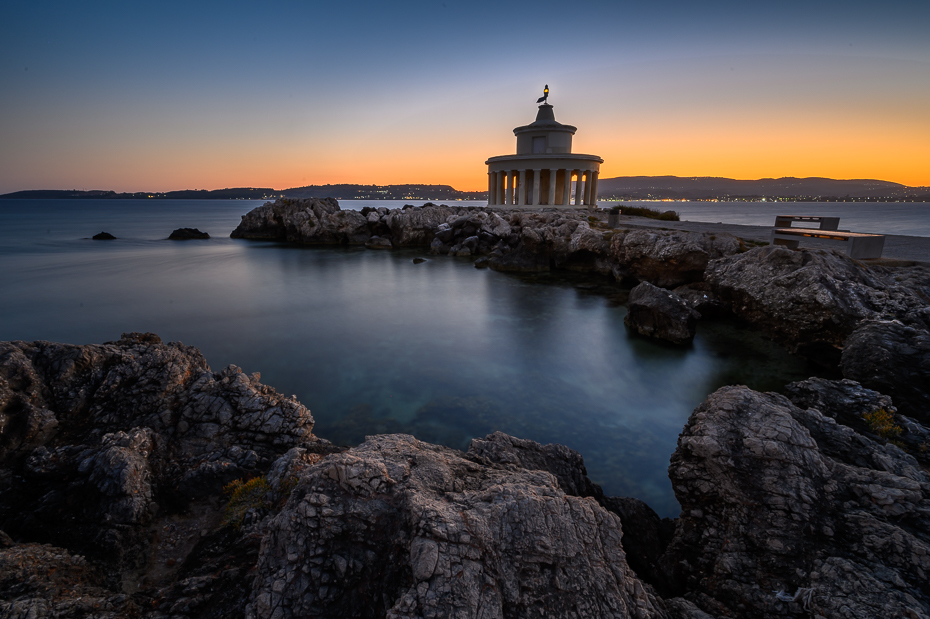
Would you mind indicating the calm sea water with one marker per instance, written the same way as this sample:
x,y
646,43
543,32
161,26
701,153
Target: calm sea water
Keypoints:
x,y
909,218
371,342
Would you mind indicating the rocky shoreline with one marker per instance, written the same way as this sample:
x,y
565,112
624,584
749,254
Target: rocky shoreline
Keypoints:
x,y
813,301
137,482
115,458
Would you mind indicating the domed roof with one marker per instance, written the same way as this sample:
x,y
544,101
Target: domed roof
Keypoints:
x,y
545,121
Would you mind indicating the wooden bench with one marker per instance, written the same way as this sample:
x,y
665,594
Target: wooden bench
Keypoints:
x,y
826,223
859,245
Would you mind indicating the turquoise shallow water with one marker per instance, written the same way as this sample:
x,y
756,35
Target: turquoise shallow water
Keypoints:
x,y
371,342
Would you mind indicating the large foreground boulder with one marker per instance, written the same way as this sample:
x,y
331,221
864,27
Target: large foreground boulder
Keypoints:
x,y
98,441
400,528
787,513
661,314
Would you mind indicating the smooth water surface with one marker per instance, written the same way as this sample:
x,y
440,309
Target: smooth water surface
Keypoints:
x,y
371,342
907,218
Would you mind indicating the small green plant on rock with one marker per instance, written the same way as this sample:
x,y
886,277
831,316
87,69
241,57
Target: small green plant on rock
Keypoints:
x,y
255,493
882,423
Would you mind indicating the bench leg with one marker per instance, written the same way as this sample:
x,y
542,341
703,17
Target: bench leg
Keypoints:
x,y
863,248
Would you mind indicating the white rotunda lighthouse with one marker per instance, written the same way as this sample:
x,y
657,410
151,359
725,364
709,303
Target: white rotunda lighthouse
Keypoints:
x,y
541,172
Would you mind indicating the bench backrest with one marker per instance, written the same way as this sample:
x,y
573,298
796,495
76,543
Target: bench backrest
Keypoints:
x,y
826,223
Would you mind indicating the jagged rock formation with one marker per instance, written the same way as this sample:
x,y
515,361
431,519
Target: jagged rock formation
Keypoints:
x,y
787,513
399,528
893,358
850,404
112,458
812,300
512,240
98,442
308,221
661,314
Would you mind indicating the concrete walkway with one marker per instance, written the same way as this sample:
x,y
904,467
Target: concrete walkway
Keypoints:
x,y
897,247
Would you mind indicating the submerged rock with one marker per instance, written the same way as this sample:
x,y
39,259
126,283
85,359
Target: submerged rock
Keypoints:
x,y
186,234
379,242
661,314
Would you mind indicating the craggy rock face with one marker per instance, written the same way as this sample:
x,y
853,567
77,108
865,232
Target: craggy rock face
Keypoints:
x,y
808,299
528,241
94,438
668,258
50,582
786,513
661,314
310,221
895,359
400,528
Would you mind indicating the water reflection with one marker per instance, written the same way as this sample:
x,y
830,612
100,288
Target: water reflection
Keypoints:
x,y
374,343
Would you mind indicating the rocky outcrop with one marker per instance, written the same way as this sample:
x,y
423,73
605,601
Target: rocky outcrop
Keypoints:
x,y
98,441
103,236
868,412
812,300
661,314
668,258
187,234
400,528
787,513
702,299
317,221
38,580
112,459
893,358
527,241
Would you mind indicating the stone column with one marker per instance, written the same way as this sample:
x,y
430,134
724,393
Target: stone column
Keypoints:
x,y
594,176
552,174
508,188
536,187
521,189
579,185
492,179
567,188
500,188
587,189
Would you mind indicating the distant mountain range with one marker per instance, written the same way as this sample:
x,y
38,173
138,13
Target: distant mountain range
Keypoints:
x,y
710,187
340,192
384,192
620,188
238,193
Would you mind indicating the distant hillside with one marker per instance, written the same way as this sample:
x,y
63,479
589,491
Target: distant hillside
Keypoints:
x,y
622,188
340,192
645,187
384,192
238,193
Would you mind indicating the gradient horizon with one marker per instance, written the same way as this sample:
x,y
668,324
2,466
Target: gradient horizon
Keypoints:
x,y
166,96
